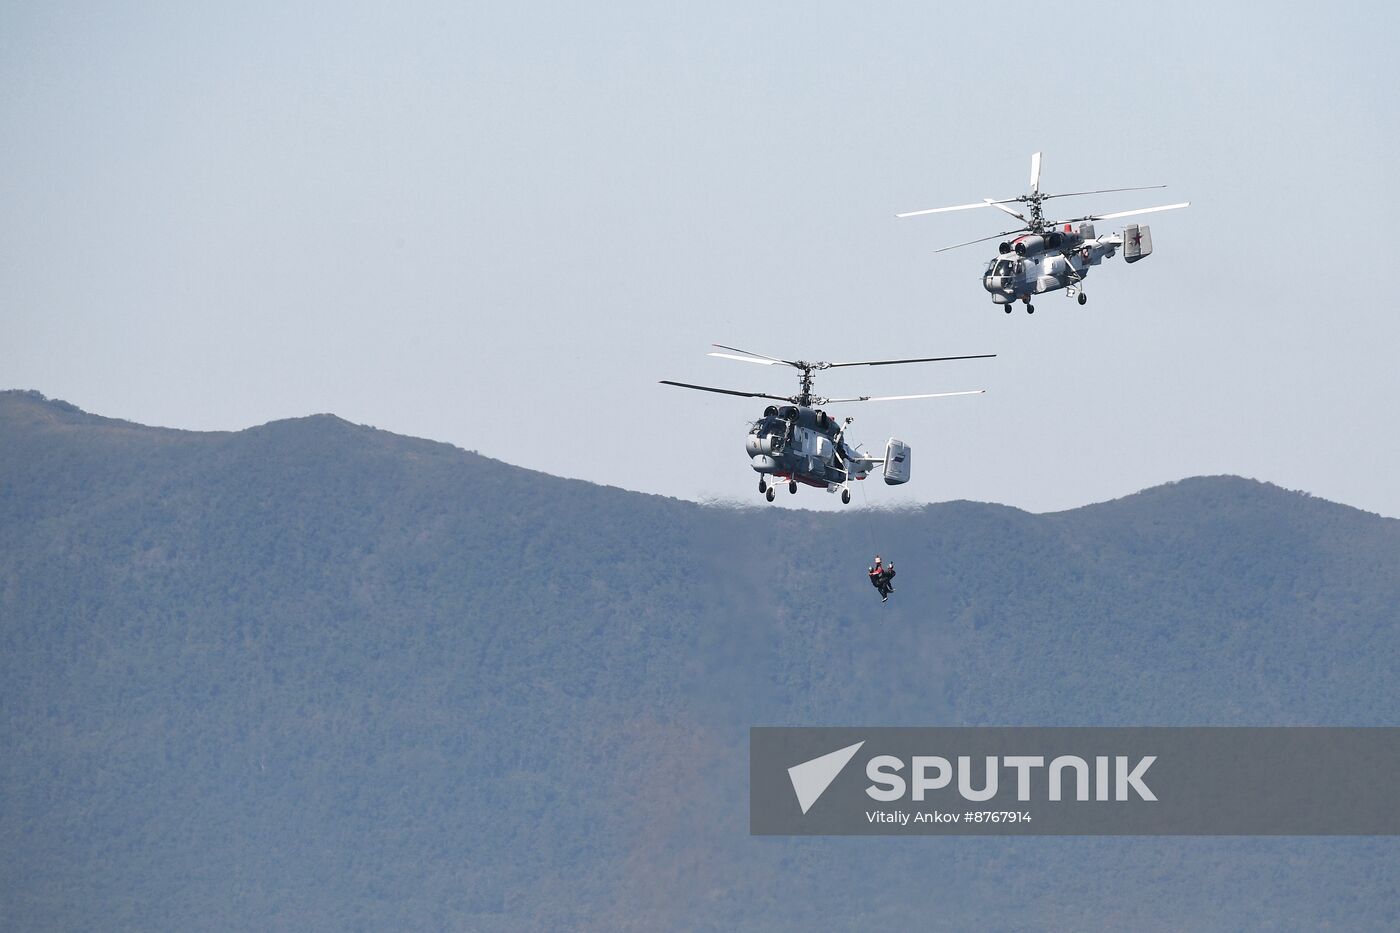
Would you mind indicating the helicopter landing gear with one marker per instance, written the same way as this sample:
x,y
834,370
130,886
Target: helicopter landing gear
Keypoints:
x,y
1030,308
762,484
769,496
845,497
1083,298
792,487
1008,309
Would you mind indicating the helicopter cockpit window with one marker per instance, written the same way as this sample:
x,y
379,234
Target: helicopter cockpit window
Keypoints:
x,y
991,264
1004,267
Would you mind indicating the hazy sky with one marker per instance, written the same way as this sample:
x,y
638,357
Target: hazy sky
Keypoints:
x,y
500,225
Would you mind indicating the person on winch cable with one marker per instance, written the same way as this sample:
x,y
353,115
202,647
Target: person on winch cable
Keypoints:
x,y
878,578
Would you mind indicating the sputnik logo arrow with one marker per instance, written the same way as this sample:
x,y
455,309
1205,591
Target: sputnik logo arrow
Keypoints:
x,y
811,778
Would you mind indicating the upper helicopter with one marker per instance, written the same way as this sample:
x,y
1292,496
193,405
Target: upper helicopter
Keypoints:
x,y
799,442
1045,255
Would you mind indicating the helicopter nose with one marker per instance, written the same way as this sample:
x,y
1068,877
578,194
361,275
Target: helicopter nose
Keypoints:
x,y
760,445
764,464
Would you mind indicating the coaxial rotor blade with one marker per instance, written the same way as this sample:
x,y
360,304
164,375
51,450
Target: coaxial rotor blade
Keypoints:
x,y
686,385
897,398
944,210
750,356
927,359
1075,194
1116,215
1014,213
994,236
747,359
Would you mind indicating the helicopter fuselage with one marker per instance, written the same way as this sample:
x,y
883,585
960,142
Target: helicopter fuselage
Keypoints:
x,y
804,445
1032,264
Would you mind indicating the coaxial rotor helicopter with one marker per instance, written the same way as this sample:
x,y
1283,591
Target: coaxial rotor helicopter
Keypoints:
x,y
800,443
1043,257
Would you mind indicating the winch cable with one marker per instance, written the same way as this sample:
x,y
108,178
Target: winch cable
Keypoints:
x,y
869,524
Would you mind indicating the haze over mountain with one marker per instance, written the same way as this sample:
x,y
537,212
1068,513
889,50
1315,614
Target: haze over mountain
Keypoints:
x,y
315,675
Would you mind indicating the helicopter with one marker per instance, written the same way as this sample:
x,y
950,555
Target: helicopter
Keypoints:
x,y
801,443
1046,255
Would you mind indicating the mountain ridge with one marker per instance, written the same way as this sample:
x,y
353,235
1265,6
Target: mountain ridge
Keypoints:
x,y
16,403
312,675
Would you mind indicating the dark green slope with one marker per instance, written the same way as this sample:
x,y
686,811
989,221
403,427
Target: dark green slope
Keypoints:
x,y
314,675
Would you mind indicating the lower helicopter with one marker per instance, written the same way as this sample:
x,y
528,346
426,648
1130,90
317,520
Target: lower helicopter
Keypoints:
x,y
800,444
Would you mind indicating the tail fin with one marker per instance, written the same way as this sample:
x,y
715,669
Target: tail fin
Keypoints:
x,y
897,457
1137,242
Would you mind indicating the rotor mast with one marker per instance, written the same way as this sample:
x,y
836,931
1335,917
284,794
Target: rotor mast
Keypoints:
x,y
1037,224
1036,198
808,377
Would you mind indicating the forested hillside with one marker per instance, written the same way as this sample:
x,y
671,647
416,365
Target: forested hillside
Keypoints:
x,y
313,675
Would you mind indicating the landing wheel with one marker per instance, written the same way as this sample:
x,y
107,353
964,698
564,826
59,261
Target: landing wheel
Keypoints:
x,y
769,497
1030,309
845,497
792,487
762,484
1083,298
1008,309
